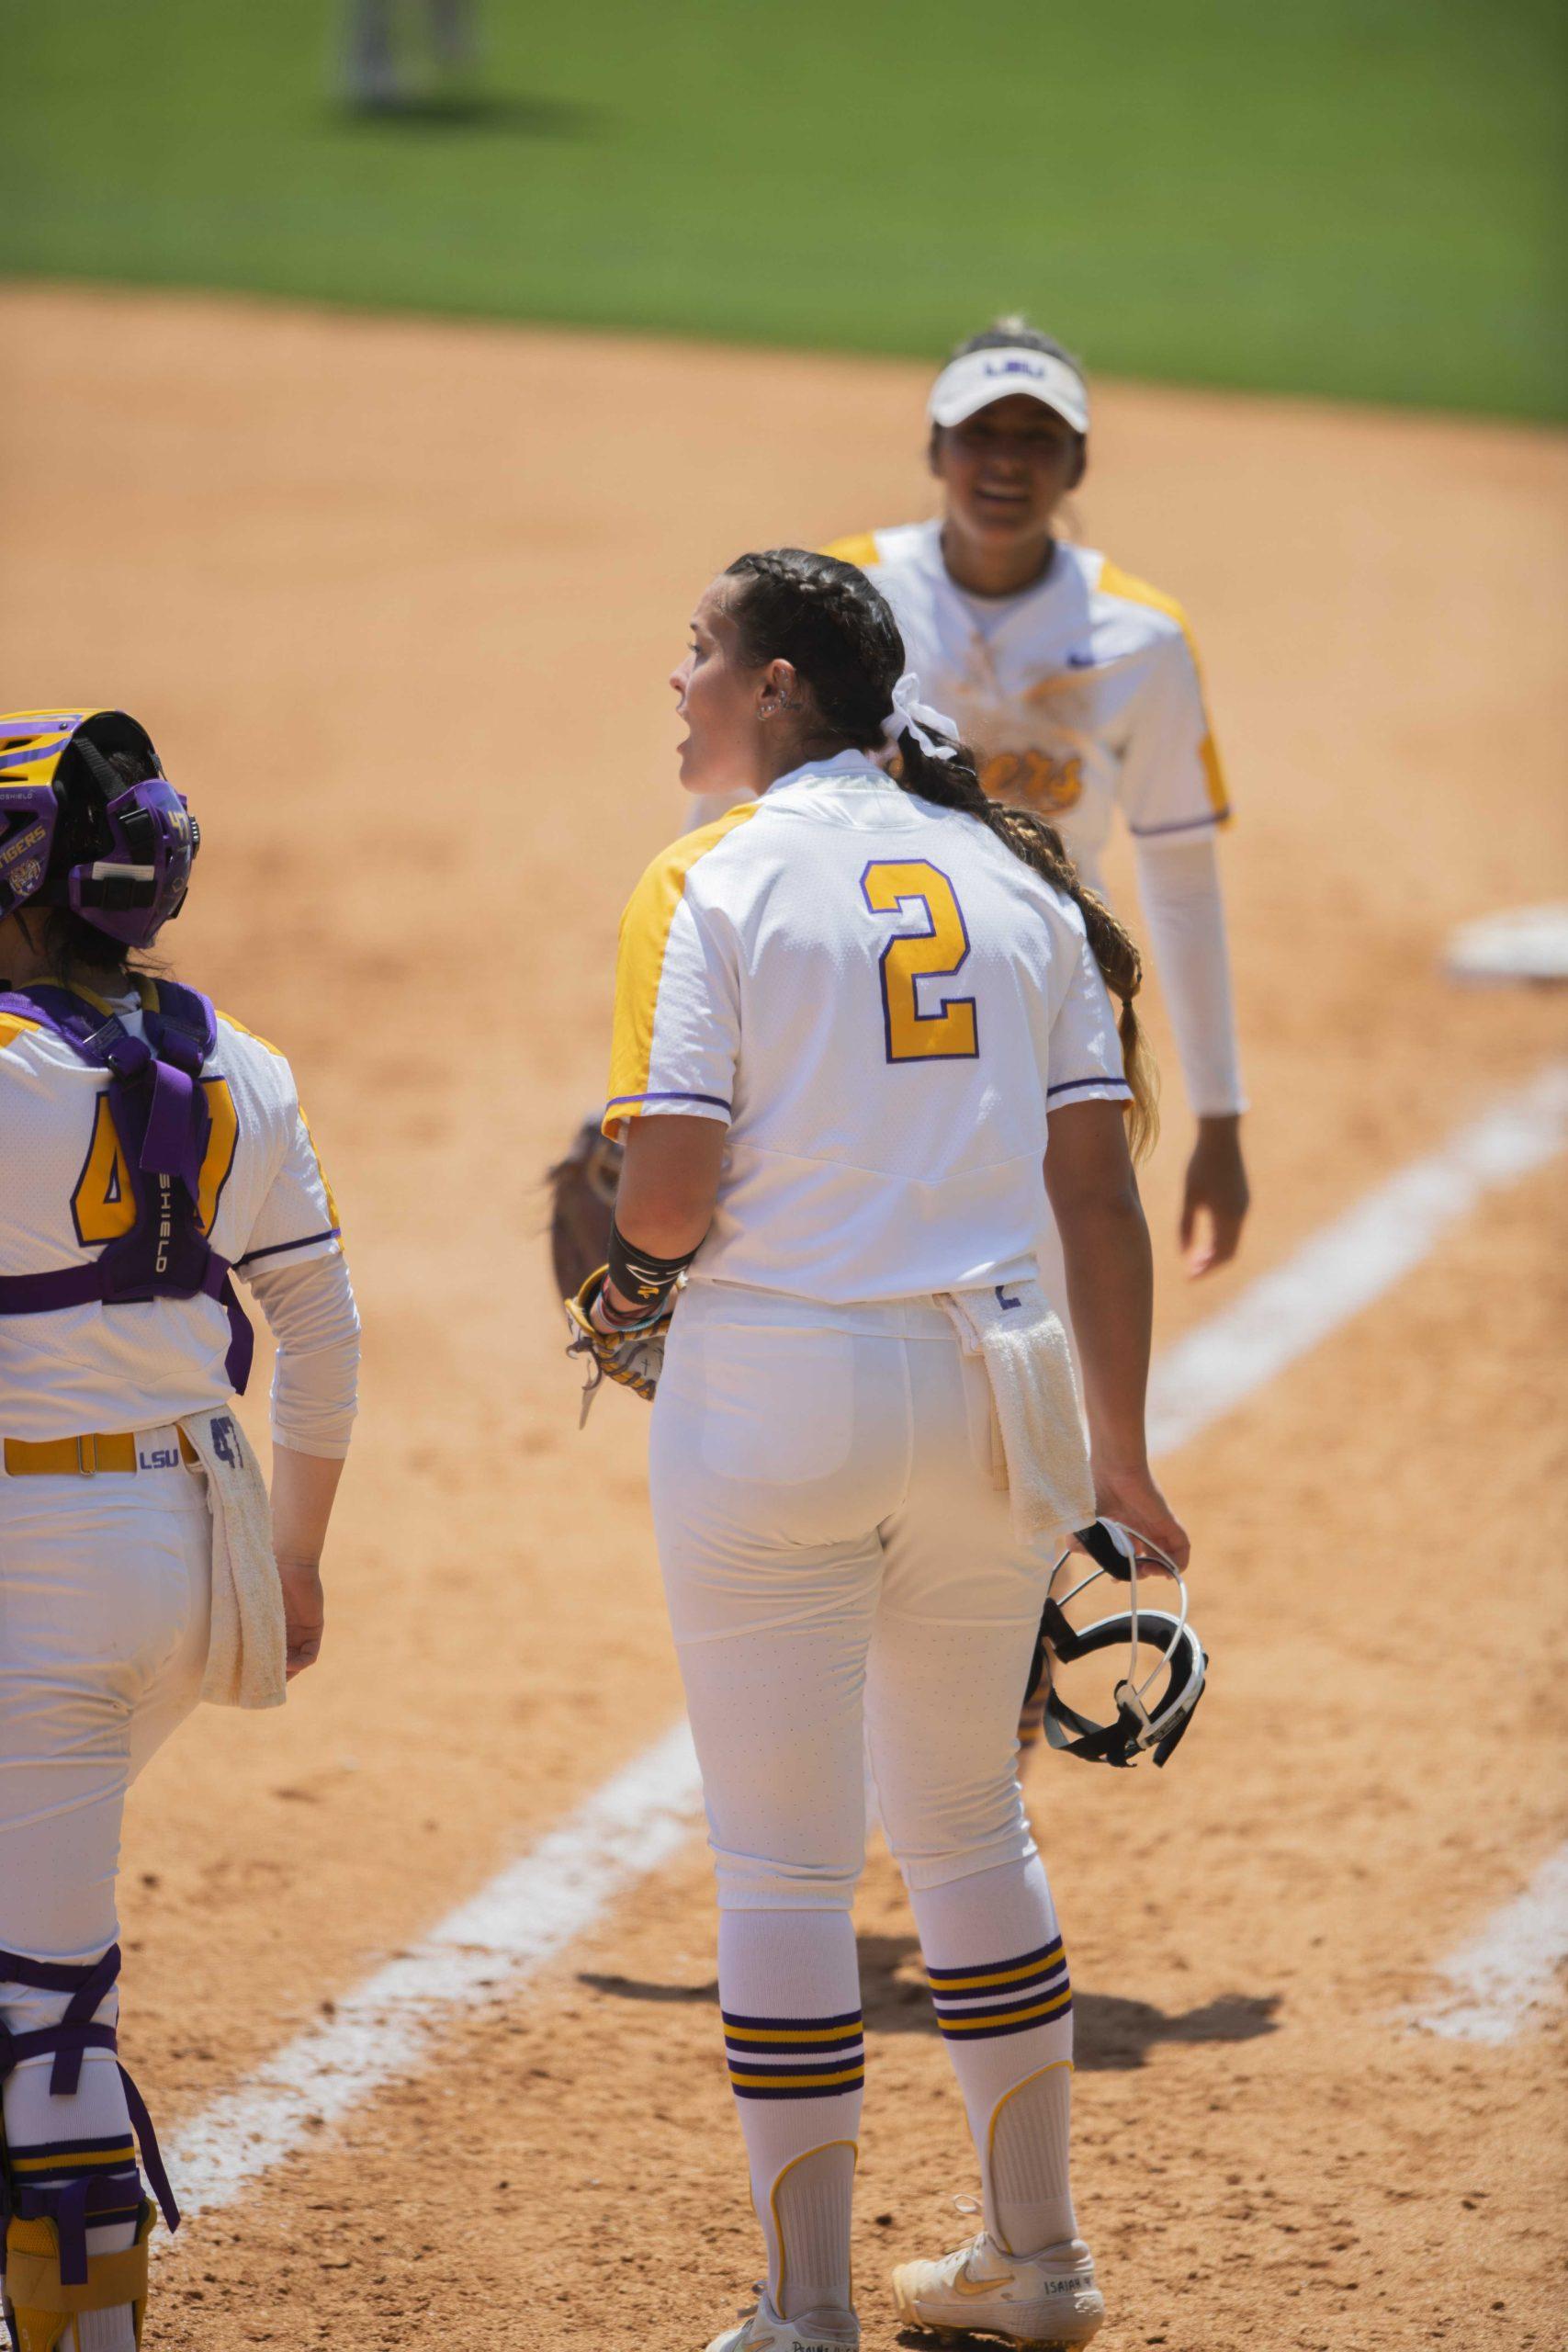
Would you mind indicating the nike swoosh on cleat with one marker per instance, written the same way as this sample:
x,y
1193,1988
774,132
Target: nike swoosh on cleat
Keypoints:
x,y
964,2285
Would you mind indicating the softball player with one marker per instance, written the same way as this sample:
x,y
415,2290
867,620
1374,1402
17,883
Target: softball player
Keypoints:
x,y
151,1150
1079,687
850,1015
374,55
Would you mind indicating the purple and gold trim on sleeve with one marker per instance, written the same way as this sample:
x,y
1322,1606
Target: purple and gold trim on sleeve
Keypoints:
x,y
1114,1090
304,1242
626,1106
794,2057
1003,1997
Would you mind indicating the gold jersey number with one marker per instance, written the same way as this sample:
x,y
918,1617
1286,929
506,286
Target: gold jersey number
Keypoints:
x,y
937,952
104,1204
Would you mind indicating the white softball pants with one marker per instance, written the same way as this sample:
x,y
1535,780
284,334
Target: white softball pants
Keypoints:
x,y
842,1576
105,1605
105,1598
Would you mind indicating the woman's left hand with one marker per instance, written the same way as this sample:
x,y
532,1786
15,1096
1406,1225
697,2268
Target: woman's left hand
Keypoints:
x,y
1215,1198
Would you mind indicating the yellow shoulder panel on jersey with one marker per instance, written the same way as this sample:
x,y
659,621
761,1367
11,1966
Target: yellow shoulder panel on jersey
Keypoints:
x,y
11,1027
859,548
1114,581
255,1039
645,935
334,1219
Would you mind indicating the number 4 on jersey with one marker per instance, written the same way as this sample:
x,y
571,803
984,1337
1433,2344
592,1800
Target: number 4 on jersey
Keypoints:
x,y
937,952
104,1206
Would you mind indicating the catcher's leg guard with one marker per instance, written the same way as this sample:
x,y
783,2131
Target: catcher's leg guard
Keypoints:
x,y
56,2191
43,2307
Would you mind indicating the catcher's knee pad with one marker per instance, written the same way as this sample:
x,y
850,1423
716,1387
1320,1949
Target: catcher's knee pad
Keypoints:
x,y
54,2190
43,2304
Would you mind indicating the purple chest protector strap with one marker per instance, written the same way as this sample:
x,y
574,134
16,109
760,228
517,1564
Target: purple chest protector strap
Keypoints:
x,y
162,1123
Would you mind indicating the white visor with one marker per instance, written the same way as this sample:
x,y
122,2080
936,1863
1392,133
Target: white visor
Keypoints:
x,y
973,382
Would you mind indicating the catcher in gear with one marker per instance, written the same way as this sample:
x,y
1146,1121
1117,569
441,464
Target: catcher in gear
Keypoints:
x,y
151,1150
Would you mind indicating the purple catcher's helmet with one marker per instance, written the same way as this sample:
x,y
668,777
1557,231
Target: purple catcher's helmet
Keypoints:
x,y
73,833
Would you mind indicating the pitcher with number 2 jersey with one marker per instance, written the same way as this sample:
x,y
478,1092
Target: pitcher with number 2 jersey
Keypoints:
x,y
862,1026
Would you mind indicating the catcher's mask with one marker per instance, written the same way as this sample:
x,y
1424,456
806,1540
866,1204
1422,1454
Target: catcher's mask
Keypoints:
x,y
73,833
1120,1552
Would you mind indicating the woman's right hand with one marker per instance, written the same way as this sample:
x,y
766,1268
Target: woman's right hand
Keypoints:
x,y
1129,1493
304,1612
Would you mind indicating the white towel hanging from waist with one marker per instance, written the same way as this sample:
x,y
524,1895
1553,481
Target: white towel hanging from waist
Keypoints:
x,y
247,1660
1038,1451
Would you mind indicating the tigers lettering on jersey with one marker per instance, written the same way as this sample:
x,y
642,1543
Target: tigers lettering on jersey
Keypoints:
x,y
1081,695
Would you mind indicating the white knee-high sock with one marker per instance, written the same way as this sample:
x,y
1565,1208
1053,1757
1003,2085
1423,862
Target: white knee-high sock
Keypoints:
x,y
1031,2191
789,1988
104,2331
998,1978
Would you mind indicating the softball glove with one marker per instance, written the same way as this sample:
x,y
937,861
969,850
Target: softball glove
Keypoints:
x,y
632,1359
583,1199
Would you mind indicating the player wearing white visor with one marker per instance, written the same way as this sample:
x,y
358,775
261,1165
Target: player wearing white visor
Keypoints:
x,y
1078,687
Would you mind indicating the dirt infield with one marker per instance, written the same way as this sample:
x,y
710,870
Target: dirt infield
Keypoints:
x,y
398,603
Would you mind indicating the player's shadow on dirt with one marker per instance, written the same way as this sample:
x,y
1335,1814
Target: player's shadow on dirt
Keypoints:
x,y
493,117
1112,2035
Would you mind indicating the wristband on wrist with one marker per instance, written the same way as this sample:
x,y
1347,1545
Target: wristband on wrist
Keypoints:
x,y
638,1275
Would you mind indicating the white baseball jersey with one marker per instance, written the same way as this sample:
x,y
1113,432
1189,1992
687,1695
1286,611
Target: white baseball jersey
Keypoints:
x,y
265,1201
879,1000
1081,694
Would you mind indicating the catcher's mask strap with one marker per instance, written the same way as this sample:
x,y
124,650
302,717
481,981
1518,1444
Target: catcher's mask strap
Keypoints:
x,y
1115,1743
1105,1552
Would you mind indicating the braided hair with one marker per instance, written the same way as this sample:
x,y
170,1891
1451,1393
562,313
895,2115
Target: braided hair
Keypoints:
x,y
837,631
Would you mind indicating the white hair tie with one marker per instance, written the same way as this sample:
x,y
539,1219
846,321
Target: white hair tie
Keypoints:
x,y
932,729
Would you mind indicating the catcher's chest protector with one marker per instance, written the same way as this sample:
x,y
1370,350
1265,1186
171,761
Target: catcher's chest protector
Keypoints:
x,y
162,1123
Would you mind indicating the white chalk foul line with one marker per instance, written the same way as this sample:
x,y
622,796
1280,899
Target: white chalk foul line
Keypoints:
x,y
383,2029
1347,1264
1509,1974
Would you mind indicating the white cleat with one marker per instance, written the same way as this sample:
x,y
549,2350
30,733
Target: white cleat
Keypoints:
x,y
1048,2301
763,2330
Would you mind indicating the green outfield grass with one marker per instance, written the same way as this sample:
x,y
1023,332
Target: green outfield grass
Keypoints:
x,y
1351,197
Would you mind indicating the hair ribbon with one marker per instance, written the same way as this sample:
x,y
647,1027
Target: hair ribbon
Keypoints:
x,y
932,729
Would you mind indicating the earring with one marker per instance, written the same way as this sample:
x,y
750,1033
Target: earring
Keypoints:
x,y
785,702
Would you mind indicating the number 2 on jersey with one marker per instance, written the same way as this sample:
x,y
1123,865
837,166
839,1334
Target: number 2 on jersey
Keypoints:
x,y
104,1204
936,953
